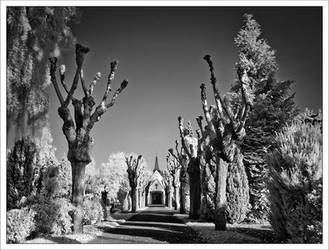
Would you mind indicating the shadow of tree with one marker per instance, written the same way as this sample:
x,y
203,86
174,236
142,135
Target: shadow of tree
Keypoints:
x,y
158,225
62,240
265,234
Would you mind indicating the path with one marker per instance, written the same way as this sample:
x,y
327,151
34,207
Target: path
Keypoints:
x,y
154,225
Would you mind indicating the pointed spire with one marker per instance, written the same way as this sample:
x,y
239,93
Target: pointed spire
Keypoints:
x,y
156,165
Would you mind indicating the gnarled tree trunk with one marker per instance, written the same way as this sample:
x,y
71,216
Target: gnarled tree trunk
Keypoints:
x,y
184,194
195,188
133,200
220,206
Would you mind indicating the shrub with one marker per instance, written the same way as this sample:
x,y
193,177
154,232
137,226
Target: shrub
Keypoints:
x,y
53,216
296,183
237,191
20,172
92,209
20,224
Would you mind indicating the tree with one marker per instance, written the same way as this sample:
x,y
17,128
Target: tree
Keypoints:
x,y
33,34
273,108
77,130
111,174
173,168
20,172
190,144
135,169
296,180
26,164
221,138
184,191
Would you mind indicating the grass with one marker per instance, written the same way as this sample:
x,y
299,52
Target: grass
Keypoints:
x,y
90,232
235,234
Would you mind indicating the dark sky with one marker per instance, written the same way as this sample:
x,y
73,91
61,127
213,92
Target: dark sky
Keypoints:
x,y
160,51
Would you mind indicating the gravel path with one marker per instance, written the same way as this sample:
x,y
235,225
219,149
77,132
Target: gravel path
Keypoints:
x,y
155,225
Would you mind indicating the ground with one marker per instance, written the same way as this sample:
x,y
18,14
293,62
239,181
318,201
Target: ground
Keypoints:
x,y
159,225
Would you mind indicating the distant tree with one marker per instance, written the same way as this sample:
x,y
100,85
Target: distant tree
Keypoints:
x,y
123,193
173,168
296,180
77,130
169,188
135,169
33,34
273,107
111,174
190,145
184,191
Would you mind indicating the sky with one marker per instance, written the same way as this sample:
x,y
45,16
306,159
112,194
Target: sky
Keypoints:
x,y
160,52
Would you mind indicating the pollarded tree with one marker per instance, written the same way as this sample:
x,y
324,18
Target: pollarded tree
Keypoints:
x,y
223,134
207,173
173,168
135,169
77,130
169,188
190,146
184,191
273,108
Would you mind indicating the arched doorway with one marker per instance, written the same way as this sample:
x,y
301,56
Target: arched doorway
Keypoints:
x,y
156,197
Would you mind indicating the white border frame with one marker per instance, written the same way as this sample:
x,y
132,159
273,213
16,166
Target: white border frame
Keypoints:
x,y
5,3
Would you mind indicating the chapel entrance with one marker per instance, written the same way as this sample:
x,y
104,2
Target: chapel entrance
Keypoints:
x,y
156,197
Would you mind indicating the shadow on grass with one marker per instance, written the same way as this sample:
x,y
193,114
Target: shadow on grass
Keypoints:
x,y
265,235
159,225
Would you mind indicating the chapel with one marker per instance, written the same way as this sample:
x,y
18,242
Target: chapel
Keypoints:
x,y
156,188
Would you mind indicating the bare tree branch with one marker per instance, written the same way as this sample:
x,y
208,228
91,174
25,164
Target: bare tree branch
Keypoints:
x,y
84,87
113,68
80,52
117,92
181,132
219,102
62,70
205,108
201,128
53,66
97,77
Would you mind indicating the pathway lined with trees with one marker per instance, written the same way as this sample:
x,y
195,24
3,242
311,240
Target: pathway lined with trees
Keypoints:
x,y
255,158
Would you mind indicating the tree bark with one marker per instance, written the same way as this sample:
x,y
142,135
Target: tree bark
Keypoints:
x,y
195,188
176,194
184,192
78,173
220,210
133,200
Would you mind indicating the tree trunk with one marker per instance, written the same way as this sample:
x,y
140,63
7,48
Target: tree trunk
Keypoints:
x,y
169,198
125,203
78,173
133,200
195,188
176,194
220,210
184,193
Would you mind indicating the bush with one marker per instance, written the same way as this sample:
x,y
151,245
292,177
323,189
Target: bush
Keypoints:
x,y
20,172
53,216
20,224
92,209
237,191
296,183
